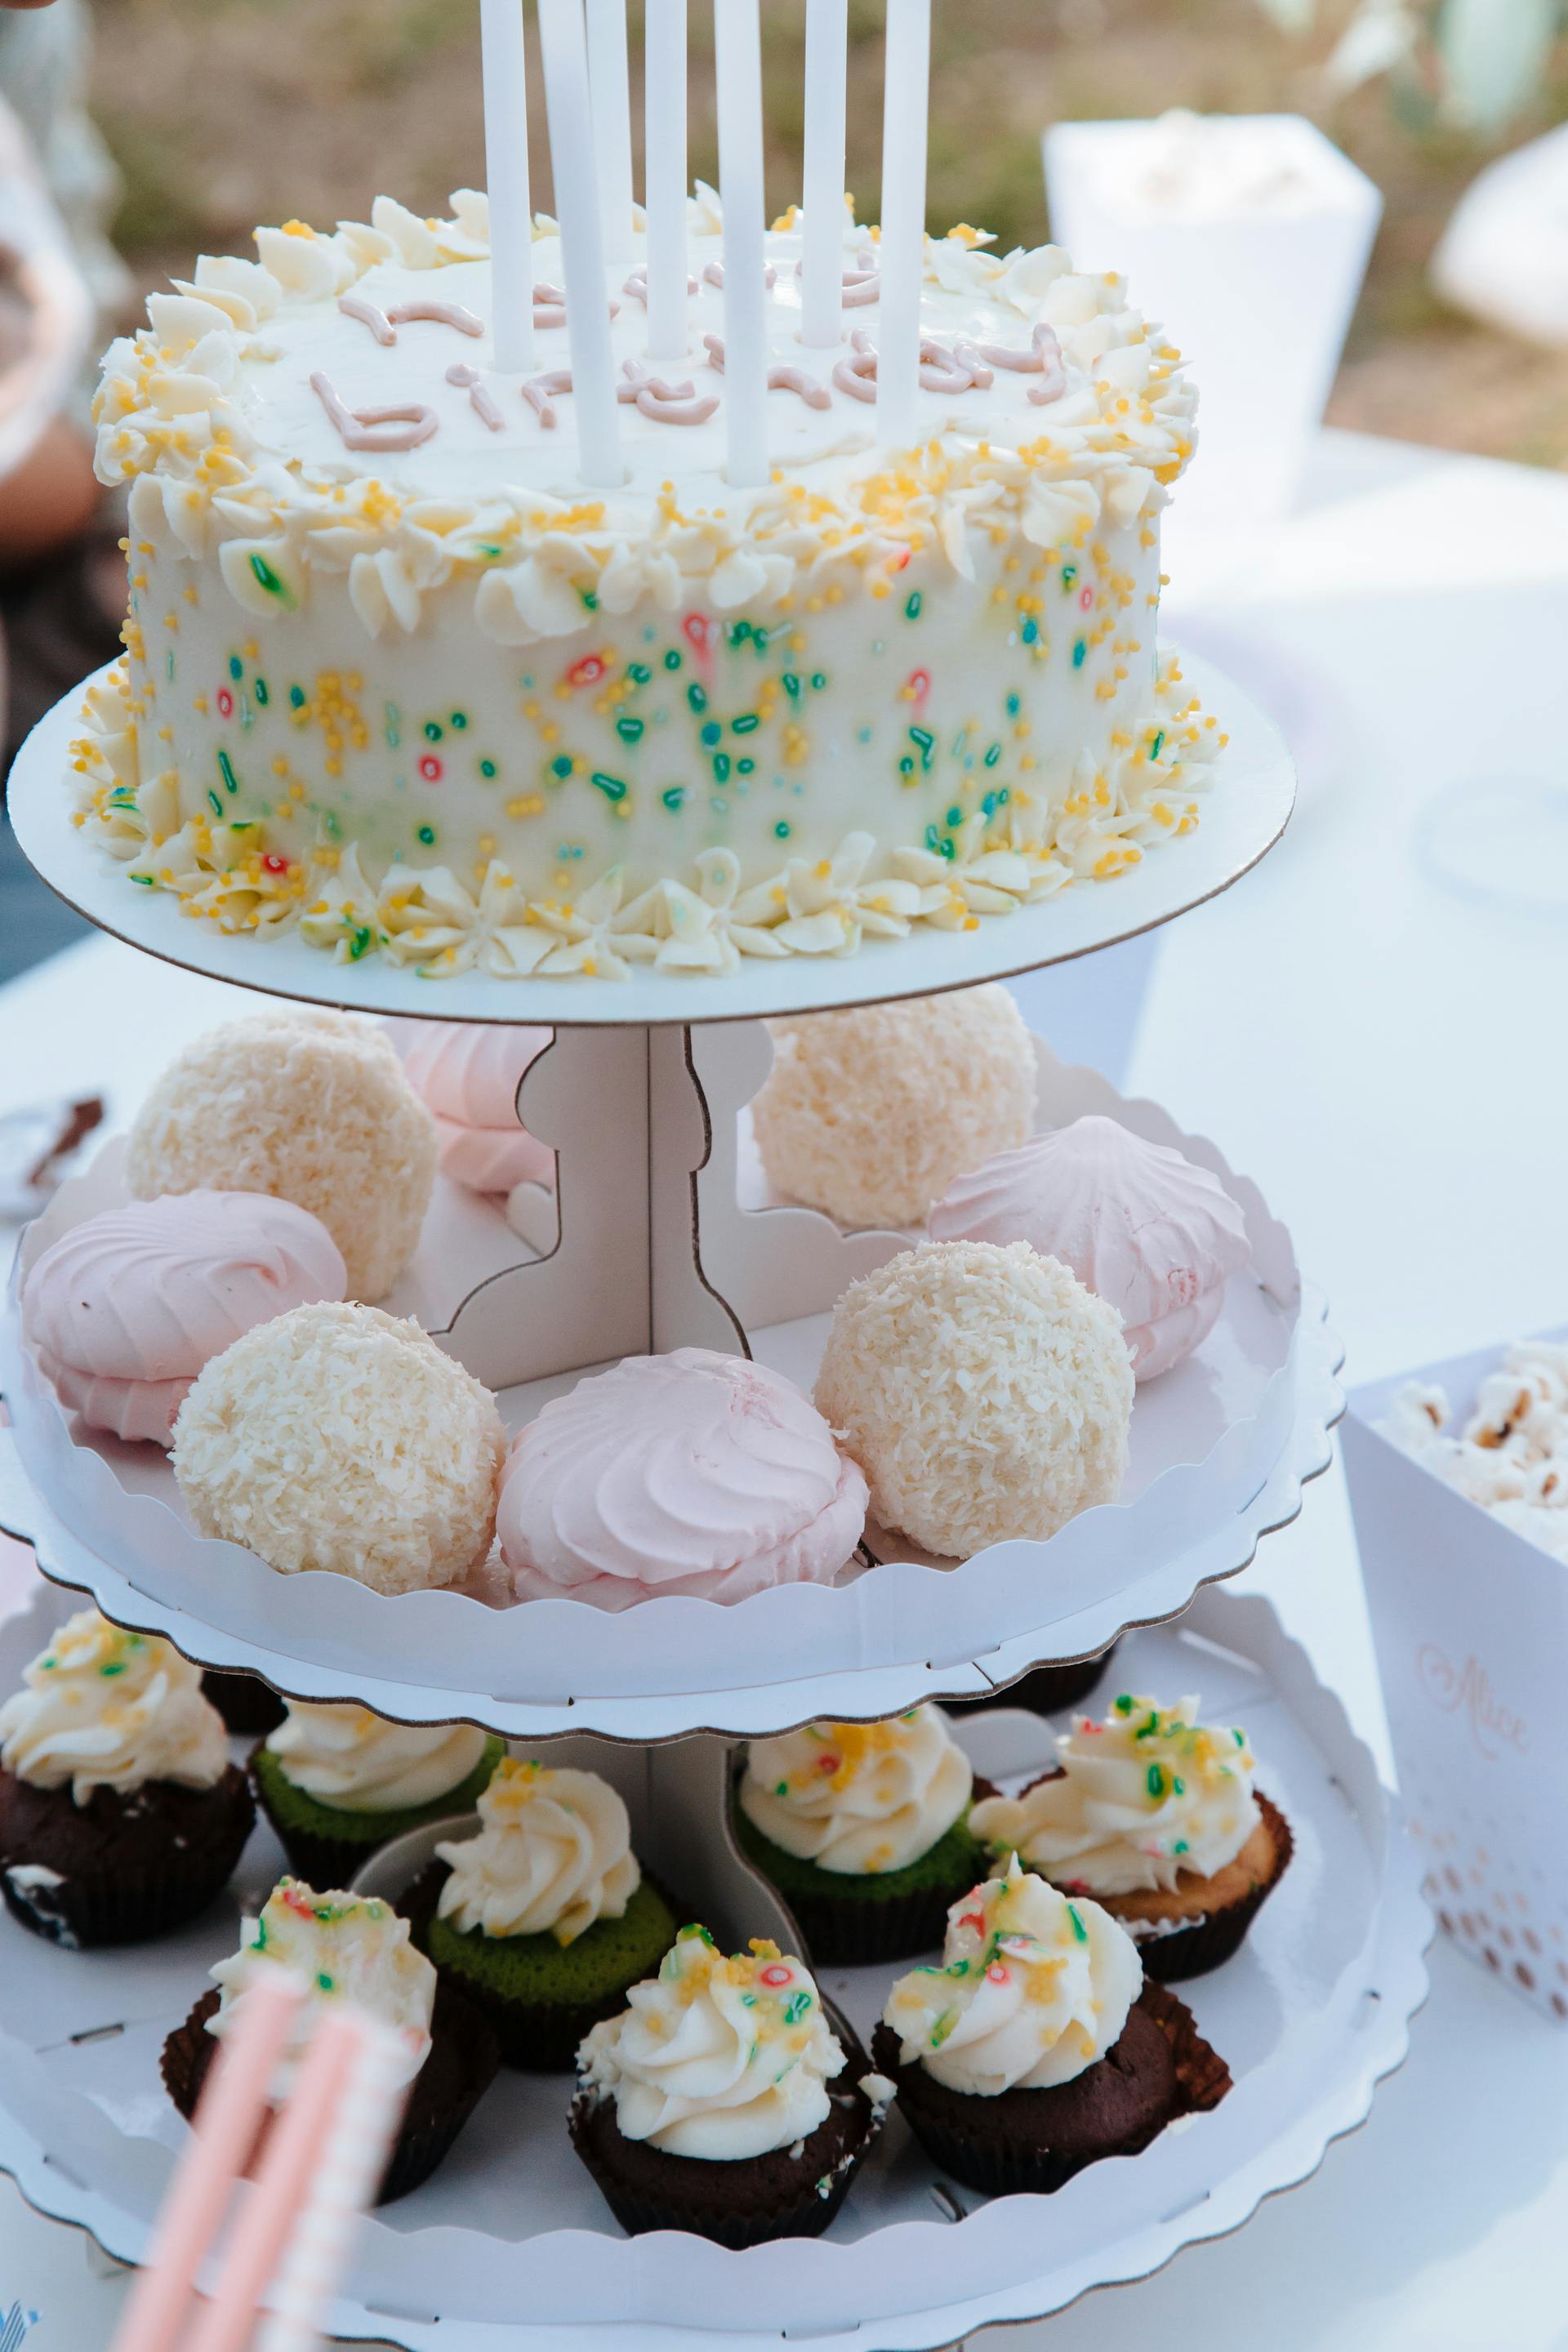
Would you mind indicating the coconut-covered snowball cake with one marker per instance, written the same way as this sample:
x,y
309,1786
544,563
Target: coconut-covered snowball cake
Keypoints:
x,y
870,1114
984,1392
1148,1230
337,1437
311,1108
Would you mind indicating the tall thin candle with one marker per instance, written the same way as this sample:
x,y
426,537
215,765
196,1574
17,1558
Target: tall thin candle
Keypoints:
x,y
907,97
506,175
582,244
822,174
738,60
611,100
664,77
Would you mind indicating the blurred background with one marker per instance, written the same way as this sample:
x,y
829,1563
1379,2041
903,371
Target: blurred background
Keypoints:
x,y
163,128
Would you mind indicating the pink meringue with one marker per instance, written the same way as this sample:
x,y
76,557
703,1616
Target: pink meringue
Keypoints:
x,y
468,1073
124,1310
689,1474
1151,1234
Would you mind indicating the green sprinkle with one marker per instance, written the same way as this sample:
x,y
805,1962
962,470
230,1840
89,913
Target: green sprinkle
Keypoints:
x,y
712,733
434,730
1125,1704
225,770
795,2008
722,767
270,581
114,1667
487,768
1178,1786
925,743
673,797
426,834
611,786
781,1789
672,659
236,667
954,816
639,673
590,599
1030,632
906,766
488,547
459,720
324,1981
1014,706
1069,574
747,723
781,830
263,692
747,2000
943,2028
1079,651
746,767
359,941
1239,1737
818,679
1180,1846
992,755
1154,1781
1079,1931
145,880
1158,745
560,765
215,805
630,730
791,684
912,606
696,696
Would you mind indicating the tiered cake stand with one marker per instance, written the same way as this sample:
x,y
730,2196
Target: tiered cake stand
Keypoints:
x,y
661,1234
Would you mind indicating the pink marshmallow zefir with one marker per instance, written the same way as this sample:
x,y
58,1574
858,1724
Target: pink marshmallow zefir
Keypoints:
x,y
468,1073
693,1474
125,1310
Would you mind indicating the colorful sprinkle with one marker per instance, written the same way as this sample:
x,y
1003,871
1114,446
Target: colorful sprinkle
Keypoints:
x,y
426,834
225,703
611,786
225,770
1078,653
912,605
431,769
268,579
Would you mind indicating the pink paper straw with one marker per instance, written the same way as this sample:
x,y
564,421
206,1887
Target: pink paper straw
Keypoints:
x,y
231,2109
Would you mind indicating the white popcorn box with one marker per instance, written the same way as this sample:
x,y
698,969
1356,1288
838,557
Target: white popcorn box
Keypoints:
x,y
1470,1620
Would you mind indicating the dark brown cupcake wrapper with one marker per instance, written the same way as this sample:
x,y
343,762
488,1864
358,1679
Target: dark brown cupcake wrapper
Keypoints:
x,y
861,1931
321,1862
1047,1690
981,2159
249,1706
1216,1936
103,1899
461,2066
808,2216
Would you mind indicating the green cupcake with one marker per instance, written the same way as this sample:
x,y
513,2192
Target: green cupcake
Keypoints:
x,y
330,1778
876,1820
543,1918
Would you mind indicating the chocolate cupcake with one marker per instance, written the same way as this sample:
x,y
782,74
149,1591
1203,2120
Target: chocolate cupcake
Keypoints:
x,y
544,1919
864,1828
1048,1690
121,1814
1154,1815
249,1706
338,1782
1037,2048
749,2129
356,1948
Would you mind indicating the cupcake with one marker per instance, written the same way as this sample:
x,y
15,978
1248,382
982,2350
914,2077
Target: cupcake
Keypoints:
x,y
720,2101
1037,2048
466,1074
691,1474
339,1438
870,1114
336,1782
1143,1227
124,1310
544,1919
354,1948
864,1829
1154,1815
121,1814
310,1108
985,1394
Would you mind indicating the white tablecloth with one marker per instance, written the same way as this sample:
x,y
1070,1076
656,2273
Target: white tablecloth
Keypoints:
x,y
1372,1027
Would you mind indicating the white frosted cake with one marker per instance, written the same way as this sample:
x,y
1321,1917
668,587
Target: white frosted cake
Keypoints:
x,y
396,678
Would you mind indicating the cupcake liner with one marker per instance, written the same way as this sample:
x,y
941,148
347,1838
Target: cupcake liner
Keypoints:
x,y
323,1861
962,2140
1048,1690
460,2067
249,1706
532,2037
107,1891
854,1929
1192,1952
747,2202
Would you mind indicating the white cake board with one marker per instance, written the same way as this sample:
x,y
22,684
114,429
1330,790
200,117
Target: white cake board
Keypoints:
x,y
1241,817
508,2248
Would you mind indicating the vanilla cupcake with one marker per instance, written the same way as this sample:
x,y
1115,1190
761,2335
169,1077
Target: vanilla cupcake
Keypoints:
x,y
864,1828
349,1949
124,1310
337,1782
544,1917
121,1814
692,1473
1154,1815
1037,2048
721,2100
1146,1229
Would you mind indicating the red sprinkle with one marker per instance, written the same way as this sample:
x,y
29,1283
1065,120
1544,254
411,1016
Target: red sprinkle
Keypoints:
x,y
430,767
699,631
918,686
975,1919
827,1764
997,1974
1086,599
225,702
775,1975
274,864
588,671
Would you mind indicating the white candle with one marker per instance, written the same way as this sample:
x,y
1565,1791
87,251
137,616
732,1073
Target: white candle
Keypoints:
x,y
903,221
664,77
738,60
582,244
611,105
822,173
506,176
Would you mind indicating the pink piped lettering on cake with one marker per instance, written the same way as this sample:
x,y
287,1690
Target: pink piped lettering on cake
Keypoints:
x,y
540,391
440,314
369,314
855,373
780,379
403,426
466,378
667,403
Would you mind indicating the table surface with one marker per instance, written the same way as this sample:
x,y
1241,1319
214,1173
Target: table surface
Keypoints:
x,y
1371,1026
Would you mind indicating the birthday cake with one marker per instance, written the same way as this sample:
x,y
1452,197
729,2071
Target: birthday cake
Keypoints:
x,y
397,680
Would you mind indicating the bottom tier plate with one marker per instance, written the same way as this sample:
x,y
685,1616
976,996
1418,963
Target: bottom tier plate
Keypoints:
x,y
510,2244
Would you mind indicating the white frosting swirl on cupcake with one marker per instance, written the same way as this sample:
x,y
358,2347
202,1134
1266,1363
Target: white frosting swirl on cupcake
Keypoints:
x,y
717,2058
107,1709
1032,1990
1142,1796
552,1856
346,1948
858,1797
345,1756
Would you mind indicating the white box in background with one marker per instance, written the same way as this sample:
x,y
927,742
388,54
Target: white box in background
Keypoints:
x,y
1246,237
1471,1626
